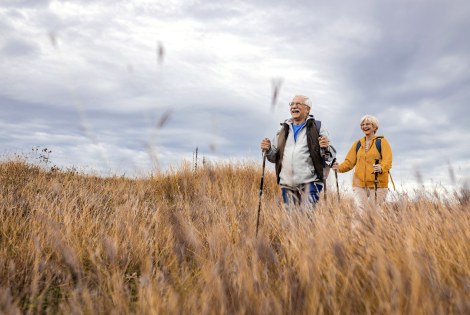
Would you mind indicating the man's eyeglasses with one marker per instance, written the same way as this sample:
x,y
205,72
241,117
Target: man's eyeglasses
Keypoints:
x,y
298,104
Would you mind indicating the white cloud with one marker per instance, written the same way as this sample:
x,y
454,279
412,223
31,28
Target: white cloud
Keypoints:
x,y
86,78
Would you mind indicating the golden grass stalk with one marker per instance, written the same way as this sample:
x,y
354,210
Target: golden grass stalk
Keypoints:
x,y
183,242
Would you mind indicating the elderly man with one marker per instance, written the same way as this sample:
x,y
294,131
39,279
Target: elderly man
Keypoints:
x,y
302,153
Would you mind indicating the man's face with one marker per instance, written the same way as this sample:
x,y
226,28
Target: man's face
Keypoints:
x,y
298,110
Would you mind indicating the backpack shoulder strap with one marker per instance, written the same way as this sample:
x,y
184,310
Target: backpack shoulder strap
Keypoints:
x,y
318,125
378,144
358,145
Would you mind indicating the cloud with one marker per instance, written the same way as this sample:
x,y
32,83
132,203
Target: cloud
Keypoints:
x,y
18,47
25,3
85,79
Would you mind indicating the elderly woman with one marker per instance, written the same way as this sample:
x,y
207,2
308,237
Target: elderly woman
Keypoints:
x,y
371,156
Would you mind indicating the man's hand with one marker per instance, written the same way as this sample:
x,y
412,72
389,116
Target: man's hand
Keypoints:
x,y
324,142
335,166
265,145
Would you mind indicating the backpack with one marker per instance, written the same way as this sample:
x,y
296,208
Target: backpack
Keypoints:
x,y
378,145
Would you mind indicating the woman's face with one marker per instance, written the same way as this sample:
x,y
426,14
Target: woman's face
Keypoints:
x,y
368,128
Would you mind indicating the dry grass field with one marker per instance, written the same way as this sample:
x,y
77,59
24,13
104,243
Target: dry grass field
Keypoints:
x,y
183,242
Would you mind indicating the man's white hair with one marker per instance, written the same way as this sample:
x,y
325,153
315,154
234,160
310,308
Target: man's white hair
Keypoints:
x,y
307,100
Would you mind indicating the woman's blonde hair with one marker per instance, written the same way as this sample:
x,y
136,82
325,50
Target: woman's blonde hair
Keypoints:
x,y
372,119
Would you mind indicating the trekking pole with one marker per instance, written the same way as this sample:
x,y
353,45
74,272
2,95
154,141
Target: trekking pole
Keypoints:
x,y
336,177
322,153
376,182
260,191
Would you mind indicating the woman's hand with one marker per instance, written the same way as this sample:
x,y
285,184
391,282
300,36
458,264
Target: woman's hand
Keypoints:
x,y
377,168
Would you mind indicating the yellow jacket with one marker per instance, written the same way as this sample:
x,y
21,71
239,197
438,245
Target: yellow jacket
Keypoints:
x,y
364,160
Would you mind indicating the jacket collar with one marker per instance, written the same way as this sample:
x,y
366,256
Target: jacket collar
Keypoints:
x,y
289,121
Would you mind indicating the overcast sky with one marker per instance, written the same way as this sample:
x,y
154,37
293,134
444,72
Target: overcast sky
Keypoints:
x,y
124,87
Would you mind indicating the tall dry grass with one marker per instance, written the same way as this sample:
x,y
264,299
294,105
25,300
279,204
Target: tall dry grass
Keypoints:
x,y
183,242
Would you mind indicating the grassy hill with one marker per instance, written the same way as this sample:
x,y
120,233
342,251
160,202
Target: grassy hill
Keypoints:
x,y
183,242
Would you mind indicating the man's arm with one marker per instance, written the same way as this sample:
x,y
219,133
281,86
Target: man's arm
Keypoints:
x,y
272,152
270,147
